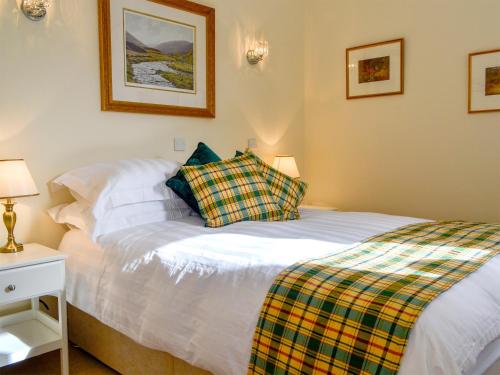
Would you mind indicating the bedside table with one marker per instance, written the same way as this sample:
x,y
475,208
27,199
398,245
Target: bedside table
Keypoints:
x,y
319,208
35,272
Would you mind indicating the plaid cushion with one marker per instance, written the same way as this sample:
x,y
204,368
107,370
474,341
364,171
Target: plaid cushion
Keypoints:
x,y
352,312
231,191
287,191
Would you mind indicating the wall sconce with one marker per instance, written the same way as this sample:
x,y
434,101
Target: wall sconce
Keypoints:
x,y
35,10
257,53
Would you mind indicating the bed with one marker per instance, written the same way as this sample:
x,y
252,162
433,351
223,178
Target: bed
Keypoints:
x,y
178,298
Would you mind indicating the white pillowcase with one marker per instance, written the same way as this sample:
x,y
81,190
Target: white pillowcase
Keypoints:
x,y
79,215
108,185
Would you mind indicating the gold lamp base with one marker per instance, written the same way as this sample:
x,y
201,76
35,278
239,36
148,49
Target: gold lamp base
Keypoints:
x,y
12,248
9,219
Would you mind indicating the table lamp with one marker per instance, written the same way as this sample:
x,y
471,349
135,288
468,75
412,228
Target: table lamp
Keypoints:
x,y
15,182
286,164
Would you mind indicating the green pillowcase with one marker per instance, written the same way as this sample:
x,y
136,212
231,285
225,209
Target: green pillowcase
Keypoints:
x,y
202,155
288,192
231,191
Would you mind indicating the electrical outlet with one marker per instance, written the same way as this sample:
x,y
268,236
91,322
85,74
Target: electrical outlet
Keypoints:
x,y
179,144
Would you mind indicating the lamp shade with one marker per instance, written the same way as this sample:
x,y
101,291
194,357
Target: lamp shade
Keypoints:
x,y
287,165
16,180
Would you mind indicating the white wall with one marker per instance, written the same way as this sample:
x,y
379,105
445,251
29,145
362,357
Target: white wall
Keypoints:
x,y
416,154
50,105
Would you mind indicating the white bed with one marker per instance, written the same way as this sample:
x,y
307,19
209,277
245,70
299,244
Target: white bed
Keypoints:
x,y
196,292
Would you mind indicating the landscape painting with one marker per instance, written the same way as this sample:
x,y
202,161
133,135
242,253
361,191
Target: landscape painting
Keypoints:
x,y
374,70
484,81
159,53
157,57
493,81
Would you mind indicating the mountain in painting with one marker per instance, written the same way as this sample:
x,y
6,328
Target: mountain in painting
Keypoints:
x,y
176,47
135,44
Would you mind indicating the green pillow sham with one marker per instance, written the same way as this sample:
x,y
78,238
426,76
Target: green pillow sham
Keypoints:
x,y
202,155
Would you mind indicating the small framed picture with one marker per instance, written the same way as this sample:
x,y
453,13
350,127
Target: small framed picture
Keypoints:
x,y
484,81
375,69
157,57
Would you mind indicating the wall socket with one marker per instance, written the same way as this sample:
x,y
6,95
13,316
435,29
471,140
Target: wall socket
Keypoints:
x,y
179,144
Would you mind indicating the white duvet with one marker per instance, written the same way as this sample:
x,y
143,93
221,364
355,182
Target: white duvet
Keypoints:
x,y
196,292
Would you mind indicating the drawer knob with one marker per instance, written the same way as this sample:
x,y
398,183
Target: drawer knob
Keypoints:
x,y
10,288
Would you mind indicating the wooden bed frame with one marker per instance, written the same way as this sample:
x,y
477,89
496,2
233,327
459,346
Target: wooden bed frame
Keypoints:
x,y
130,358
120,352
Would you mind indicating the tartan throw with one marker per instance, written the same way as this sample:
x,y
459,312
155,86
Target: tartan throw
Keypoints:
x,y
231,191
287,191
352,312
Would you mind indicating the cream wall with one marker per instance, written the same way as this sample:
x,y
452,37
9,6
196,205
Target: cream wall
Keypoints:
x,y
417,154
50,107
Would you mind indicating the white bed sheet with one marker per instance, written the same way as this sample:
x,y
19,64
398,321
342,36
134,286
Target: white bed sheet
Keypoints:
x,y
196,292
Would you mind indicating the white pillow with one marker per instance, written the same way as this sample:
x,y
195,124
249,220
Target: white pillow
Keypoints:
x,y
112,184
79,215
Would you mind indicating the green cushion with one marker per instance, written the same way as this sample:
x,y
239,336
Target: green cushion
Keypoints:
x,y
202,155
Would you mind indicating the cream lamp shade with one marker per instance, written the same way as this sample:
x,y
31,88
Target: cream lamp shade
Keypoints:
x,y
287,165
16,180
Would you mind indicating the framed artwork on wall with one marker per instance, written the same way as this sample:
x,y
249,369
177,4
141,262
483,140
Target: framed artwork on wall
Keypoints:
x,y
157,57
484,81
375,69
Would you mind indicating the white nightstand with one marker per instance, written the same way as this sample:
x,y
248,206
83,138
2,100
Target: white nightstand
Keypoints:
x,y
37,271
320,208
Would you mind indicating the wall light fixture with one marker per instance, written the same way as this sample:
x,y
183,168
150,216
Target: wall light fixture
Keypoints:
x,y
35,10
257,53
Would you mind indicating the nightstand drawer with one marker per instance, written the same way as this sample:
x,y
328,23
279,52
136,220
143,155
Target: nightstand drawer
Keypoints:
x,y
26,282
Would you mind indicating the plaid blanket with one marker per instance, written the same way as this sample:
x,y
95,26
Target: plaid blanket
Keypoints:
x,y
352,312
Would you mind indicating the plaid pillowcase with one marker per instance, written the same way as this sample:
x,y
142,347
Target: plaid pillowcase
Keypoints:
x,y
287,191
231,191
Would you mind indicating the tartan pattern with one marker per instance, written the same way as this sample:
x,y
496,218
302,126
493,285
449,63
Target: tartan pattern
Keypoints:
x,y
287,191
231,191
352,312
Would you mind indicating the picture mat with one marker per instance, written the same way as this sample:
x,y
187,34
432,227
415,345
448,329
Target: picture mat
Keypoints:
x,y
392,50
122,92
479,100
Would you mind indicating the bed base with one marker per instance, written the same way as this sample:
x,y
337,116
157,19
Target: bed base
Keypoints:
x,y
127,357
120,352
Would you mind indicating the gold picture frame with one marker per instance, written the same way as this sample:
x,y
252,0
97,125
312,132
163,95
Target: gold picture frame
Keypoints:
x,y
484,82
375,69
170,76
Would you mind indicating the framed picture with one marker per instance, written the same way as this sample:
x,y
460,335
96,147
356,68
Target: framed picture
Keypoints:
x,y
157,57
375,69
484,81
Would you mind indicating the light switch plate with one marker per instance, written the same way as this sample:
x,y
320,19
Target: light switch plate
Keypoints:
x,y
252,143
179,144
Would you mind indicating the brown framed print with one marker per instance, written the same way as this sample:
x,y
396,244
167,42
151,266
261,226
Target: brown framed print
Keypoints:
x,y
157,57
375,69
484,81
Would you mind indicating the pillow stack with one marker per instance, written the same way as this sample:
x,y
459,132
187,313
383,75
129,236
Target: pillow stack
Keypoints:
x,y
116,195
244,188
231,191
